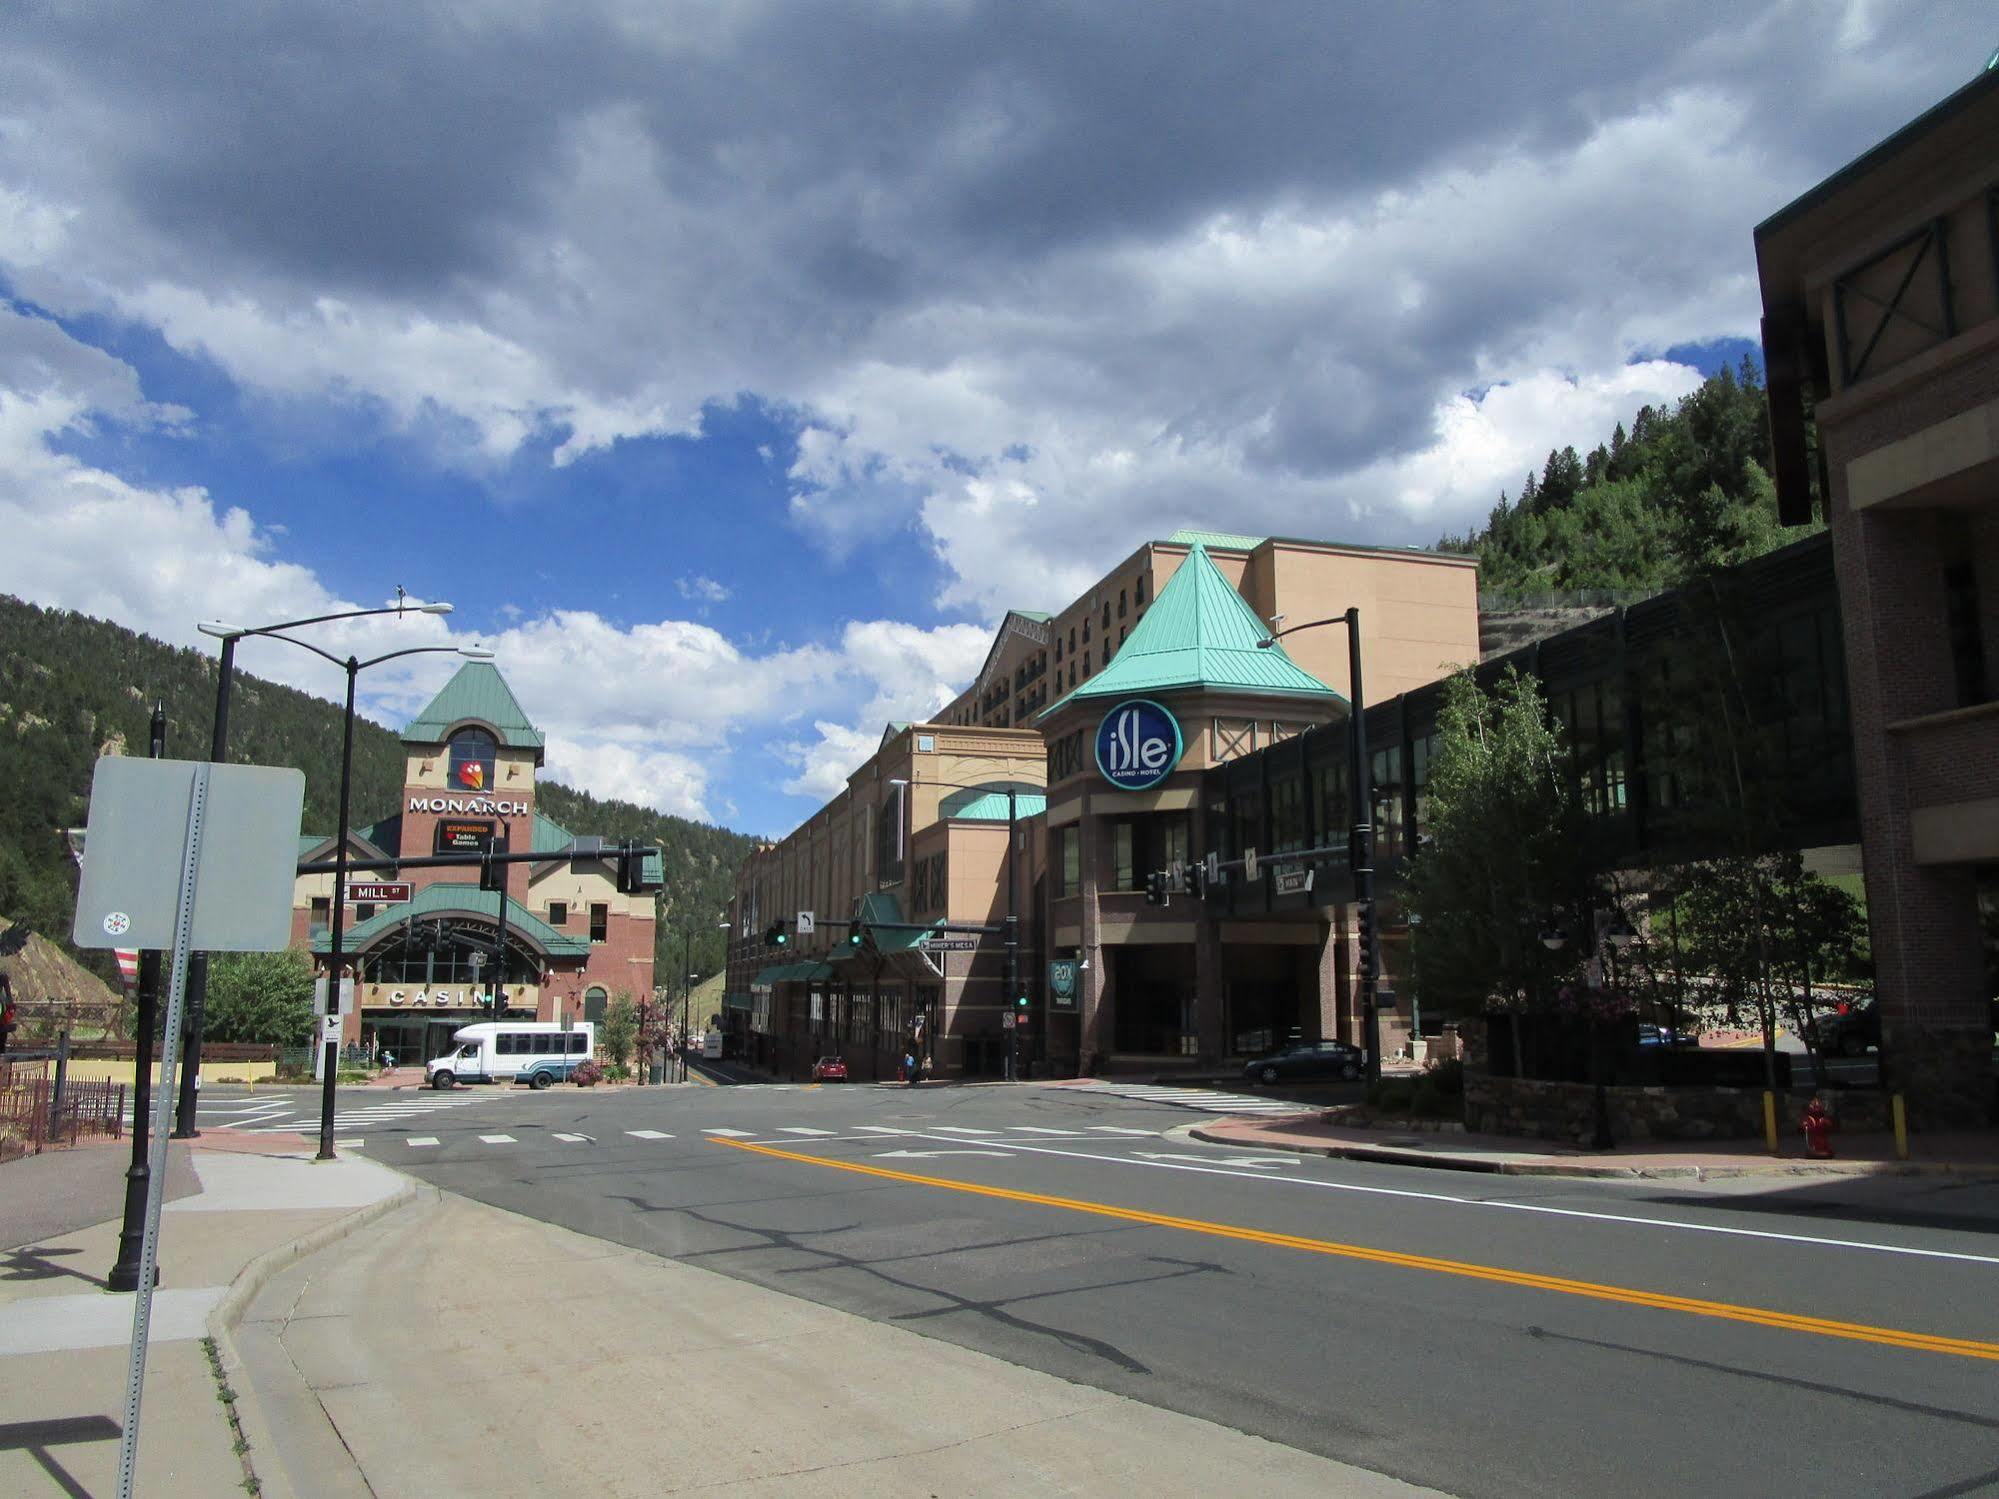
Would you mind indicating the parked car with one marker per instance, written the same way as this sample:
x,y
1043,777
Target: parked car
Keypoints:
x,y
829,1070
1666,1035
1849,1033
1308,1059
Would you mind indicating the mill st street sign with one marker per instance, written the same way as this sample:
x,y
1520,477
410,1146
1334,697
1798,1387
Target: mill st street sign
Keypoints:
x,y
378,892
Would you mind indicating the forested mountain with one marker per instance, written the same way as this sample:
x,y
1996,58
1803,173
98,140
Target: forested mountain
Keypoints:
x,y
1683,490
73,688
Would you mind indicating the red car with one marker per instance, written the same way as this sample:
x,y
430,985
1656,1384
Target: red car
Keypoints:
x,y
829,1070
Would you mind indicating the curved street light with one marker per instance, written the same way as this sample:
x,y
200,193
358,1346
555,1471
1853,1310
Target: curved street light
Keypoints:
x,y
330,1048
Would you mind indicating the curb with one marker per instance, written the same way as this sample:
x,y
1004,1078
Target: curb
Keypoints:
x,y
251,1279
1389,1156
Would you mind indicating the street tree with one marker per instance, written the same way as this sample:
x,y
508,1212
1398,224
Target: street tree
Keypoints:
x,y
1504,853
260,997
621,1028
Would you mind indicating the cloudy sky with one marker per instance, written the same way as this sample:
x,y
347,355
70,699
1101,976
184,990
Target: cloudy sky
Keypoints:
x,y
733,365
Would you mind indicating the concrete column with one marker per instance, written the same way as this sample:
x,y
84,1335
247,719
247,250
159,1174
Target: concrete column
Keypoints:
x,y
1327,981
1098,997
1210,992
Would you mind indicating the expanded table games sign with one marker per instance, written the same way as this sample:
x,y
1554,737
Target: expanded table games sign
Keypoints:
x,y
461,837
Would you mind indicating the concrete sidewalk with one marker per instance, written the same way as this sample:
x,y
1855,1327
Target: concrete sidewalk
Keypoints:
x,y
1969,1154
244,1207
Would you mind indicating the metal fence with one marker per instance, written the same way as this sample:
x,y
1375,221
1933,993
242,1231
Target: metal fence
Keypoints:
x,y
39,1107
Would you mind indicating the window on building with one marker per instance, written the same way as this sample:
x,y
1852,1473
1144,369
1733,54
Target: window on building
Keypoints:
x,y
1120,603
594,1001
363,911
600,922
888,837
1107,616
1072,640
1967,643
1086,665
322,908
558,913
1138,589
1086,632
1068,860
1124,865
1175,844
473,752
1335,805
1387,769
1058,650
1287,814
1072,673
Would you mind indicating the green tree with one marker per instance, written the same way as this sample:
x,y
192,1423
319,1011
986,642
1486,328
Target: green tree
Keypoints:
x,y
260,997
1505,852
621,1028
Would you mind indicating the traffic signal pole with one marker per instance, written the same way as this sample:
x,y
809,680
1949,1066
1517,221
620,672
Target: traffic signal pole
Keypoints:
x,y
1363,851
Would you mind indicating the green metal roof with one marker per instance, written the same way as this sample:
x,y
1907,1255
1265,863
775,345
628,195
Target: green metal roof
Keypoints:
x,y
441,900
1218,539
478,692
1199,634
1034,614
550,836
792,973
990,806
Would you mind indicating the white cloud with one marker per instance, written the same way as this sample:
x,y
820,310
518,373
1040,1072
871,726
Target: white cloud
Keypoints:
x,y
702,590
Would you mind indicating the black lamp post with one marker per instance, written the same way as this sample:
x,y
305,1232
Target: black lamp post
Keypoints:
x,y
1605,928
1013,1005
330,1049
218,751
1362,858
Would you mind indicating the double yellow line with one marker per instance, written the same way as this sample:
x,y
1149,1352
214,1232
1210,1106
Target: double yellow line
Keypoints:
x,y
1825,1327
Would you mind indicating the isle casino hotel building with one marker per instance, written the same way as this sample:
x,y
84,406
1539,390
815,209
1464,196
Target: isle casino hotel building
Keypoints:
x,y
573,939
919,836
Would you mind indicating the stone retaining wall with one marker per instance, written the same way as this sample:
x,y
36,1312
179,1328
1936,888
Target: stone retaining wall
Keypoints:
x,y
1567,1111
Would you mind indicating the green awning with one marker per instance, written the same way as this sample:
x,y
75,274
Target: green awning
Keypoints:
x,y
458,900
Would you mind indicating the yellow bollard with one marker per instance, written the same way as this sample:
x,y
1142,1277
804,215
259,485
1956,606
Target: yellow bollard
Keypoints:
x,y
1770,1122
1901,1116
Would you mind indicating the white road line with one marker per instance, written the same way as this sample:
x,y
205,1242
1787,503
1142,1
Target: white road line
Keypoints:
x,y
730,1134
416,1140
641,1134
499,1140
963,1129
1118,1129
575,1139
1039,1129
880,1129
1514,1207
800,1129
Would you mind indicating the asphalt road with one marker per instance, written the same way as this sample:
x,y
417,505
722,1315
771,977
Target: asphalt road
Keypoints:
x,y
1484,1336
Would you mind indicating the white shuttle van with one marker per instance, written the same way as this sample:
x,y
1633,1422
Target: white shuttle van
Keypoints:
x,y
535,1052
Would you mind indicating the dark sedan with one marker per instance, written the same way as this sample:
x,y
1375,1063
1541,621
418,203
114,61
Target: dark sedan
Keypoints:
x,y
1308,1059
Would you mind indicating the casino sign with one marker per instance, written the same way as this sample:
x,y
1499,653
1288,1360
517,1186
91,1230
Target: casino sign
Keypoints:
x,y
1138,744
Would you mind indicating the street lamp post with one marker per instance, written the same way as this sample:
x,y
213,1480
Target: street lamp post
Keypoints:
x,y
1012,914
330,1045
1605,928
218,751
687,988
1362,858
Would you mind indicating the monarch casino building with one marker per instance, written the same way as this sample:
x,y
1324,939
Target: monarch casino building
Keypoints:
x,y
573,940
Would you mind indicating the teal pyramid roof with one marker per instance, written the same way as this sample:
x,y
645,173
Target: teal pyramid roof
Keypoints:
x,y
479,693
1199,633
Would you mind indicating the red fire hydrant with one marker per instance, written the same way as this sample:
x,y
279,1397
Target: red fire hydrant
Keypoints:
x,y
1818,1131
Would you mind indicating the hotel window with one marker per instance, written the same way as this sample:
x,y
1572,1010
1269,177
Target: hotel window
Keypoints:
x,y
472,756
1058,650
1086,632
558,913
322,907
1072,673
363,911
1068,860
1124,873
1138,590
600,922
1174,844
1287,814
1086,665
1072,640
1120,603
1107,616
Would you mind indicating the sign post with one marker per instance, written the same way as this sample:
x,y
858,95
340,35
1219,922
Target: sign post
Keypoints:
x,y
154,818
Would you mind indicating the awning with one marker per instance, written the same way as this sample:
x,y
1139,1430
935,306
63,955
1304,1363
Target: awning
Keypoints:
x,y
893,936
791,973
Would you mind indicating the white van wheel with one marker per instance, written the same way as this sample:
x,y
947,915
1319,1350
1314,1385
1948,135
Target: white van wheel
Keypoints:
x,y
442,1079
541,1080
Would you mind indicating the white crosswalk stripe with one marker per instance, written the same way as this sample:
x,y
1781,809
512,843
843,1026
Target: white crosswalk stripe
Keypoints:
x,y
640,1134
417,1140
572,1139
1040,1129
800,1129
1206,1100
498,1140
730,1134
360,1115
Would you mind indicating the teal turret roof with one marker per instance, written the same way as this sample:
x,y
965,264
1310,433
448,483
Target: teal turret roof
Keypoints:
x,y
1220,540
1199,634
480,694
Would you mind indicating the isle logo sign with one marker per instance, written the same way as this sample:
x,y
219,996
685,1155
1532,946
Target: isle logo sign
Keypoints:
x,y
1138,744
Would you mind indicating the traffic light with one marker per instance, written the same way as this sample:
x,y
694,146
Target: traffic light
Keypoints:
x,y
1155,888
633,876
776,935
494,876
1365,928
1197,881
856,933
